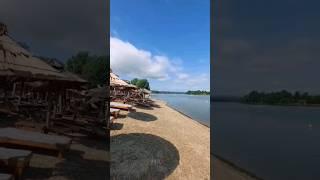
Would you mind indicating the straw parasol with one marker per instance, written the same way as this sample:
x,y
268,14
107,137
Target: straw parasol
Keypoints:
x,y
116,81
19,62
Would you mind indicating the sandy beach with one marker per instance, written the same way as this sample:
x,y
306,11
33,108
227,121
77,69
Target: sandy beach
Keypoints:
x,y
159,142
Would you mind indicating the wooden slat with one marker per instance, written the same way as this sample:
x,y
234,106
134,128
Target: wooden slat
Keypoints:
x,y
34,139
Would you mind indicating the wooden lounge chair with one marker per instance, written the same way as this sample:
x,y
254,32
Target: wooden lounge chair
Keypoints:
x,y
121,106
6,176
15,160
115,112
27,139
111,121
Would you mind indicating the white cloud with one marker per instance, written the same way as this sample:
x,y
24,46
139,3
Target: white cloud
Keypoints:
x,y
130,61
125,58
183,76
194,81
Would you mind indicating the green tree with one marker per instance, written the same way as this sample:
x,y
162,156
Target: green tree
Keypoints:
x,y
92,68
141,83
134,81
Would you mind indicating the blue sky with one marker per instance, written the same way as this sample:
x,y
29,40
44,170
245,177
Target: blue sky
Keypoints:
x,y
165,41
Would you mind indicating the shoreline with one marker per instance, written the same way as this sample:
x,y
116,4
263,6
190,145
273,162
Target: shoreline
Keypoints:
x,y
182,113
236,167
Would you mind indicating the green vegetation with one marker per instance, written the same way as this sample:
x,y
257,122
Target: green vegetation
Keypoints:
x,y
281,98
167,92
188,92
90,67
140,83
198,92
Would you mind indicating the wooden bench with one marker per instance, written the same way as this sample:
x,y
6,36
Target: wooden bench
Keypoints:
x,y
27,139
15,160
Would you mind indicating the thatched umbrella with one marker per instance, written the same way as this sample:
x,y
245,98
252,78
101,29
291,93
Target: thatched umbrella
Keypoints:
x,y
18,62
116,81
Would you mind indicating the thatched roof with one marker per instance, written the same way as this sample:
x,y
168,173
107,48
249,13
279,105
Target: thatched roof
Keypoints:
x,y
116,81
19,62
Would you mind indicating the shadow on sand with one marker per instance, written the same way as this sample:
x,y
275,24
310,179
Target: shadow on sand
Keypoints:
x,y
144,107
142,156
142,116
77,167
116,126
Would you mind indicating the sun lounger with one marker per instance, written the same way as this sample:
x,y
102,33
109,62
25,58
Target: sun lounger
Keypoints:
x,y
111,120
15,160
27,139
6,176
115,112
121,106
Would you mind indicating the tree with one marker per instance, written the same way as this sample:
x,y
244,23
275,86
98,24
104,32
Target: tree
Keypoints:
x,y
134,81
92,68
141,83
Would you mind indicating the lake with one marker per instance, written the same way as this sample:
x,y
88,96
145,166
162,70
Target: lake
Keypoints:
x,y
273,142
197,107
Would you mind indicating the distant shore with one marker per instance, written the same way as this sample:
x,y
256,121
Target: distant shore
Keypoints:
x,y
297,105
265,104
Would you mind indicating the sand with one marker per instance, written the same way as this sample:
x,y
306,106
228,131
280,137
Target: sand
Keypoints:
x,y
225,171
159,143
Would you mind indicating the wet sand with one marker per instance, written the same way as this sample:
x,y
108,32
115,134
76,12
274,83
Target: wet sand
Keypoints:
x,y
158,143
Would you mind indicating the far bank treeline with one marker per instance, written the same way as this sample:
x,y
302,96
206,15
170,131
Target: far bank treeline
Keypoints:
x,y
281,98
198,92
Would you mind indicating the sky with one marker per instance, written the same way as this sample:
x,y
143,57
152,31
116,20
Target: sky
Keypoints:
x,y
164,41
57,28
266,46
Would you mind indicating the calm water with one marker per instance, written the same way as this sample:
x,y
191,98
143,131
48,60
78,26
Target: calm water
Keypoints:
x,y
197,107
273,142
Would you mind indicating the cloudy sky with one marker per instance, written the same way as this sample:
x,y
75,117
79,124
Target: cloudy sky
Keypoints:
x,y
57,28
165,41
266,45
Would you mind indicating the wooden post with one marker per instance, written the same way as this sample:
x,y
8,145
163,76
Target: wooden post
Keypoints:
x,y
48,117
46,97
60,103
13,89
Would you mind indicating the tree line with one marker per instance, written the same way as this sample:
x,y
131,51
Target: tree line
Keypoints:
x,y
282,98
198,92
